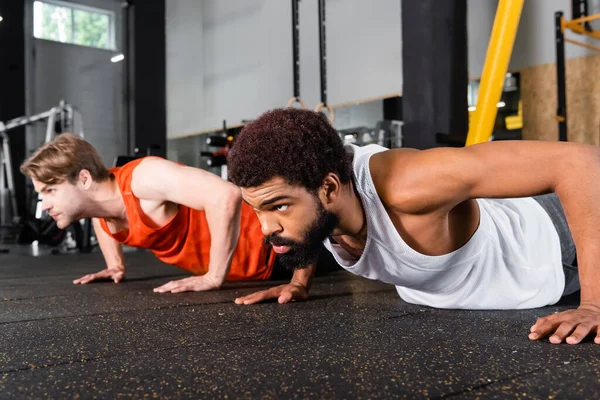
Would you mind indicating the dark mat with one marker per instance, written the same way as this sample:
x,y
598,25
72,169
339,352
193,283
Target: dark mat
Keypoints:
x,y
354,339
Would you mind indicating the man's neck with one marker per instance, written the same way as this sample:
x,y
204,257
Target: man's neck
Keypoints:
x,y
351,214
107,202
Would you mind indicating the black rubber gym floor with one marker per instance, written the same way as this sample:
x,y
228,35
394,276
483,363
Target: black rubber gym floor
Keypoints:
x,y
353,339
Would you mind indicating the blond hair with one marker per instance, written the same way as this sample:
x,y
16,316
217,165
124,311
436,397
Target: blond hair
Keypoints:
x,y
63,159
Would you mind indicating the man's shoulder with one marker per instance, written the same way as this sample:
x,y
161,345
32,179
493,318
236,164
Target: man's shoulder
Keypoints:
x,y
146,175
391,165
395,175
153,176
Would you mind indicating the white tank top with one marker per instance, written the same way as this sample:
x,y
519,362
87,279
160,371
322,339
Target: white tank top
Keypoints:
x,y
512,261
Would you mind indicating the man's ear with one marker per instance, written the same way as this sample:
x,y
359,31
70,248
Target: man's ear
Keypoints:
x,y
85,179
330,189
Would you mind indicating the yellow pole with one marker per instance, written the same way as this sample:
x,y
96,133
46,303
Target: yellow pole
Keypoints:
x,y
497,58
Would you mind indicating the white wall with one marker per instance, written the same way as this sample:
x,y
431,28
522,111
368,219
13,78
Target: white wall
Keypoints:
x,y
232,60
185,66
86,79
365,114
226,60
534,44
480,19
364,48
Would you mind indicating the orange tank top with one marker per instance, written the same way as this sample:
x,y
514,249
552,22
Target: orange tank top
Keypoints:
x,y
185,240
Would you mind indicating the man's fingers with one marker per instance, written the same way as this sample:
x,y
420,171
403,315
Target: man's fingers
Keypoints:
x,y
259,296
562,332
579,334
545,326
116,276
285,297
170,286
543,331
165,288
249,299
180,288
85,279
544,320
194,284
283,294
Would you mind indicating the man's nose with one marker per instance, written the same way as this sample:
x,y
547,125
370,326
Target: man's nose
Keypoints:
x,y
269,226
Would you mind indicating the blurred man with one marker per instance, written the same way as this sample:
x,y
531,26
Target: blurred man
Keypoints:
x,y
186,216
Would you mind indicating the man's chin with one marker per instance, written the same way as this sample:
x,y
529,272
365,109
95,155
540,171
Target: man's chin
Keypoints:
x,y
292,260
62,224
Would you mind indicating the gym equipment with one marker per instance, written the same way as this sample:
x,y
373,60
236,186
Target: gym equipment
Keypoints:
x,y
295,100
122,160
219,158
7,184
119,161
322,106
580,24
63,116
515,121
216,159
497,58
41,227
387,133
296,56
323,65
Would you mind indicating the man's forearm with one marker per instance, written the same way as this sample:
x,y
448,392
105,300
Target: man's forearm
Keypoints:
x,y
111,249
304,276
224,225
579,193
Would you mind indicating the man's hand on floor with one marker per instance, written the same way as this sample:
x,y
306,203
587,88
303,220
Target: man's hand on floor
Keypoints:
x,y
283,294
192,284
114,274
570,326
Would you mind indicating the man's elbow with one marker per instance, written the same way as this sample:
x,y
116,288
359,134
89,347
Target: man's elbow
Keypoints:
x,y
229,199
579,162
582,158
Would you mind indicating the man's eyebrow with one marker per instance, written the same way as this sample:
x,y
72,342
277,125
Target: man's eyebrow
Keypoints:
x,y
273,200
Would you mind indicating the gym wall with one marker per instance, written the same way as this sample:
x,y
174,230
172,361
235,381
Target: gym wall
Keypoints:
x,y
233,60
238,58
84,77
534,55
538,88
534,44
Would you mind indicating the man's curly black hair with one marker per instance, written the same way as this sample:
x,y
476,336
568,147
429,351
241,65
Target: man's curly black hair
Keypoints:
x,y
298,145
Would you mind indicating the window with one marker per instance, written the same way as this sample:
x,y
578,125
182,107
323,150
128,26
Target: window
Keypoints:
x,y
73,23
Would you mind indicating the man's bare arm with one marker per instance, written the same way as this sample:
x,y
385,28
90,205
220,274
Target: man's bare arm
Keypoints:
x,y
162,180
439,179
113,255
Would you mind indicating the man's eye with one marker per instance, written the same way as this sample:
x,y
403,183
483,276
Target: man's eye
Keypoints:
x,y
281,207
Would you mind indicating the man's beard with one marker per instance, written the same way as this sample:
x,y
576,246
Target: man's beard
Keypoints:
x,y
302,254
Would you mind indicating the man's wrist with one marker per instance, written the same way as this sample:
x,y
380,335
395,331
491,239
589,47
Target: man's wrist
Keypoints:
x,y
299,283
590,295
590,303
215,279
